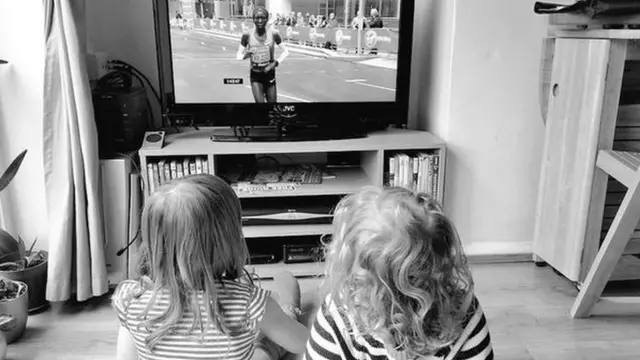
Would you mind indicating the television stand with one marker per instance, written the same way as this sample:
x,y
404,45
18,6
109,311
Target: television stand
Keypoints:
x,y
348,166
272,134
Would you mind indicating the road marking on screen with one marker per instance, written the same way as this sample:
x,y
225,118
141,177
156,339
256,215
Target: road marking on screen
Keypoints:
x,y
287,96
355,80
210,58
294,98
376,86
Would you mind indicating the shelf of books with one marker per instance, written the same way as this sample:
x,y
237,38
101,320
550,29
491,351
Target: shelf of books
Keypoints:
x,y
416,170
161,170
266,176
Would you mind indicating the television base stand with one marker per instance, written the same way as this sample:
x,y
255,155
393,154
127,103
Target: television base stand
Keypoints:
x,y
272,134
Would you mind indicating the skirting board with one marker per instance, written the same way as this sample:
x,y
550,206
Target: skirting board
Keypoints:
x,y
499,252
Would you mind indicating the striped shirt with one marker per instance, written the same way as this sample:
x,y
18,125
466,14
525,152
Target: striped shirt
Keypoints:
x,y
243,305
329,338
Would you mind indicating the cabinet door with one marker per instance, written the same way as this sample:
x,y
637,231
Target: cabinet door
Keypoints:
x,y
583,98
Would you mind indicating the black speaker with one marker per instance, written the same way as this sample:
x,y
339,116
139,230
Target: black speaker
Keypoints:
x,y
122,117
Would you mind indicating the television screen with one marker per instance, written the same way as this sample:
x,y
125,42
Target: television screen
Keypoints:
x,y
289,51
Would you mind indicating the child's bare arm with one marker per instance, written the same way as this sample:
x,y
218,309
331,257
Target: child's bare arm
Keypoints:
x,y
282,329
126,348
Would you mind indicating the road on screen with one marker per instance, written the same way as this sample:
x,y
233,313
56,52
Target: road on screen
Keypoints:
x,y
202,61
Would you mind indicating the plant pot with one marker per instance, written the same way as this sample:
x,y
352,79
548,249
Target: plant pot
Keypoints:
x,y
36,279
18,308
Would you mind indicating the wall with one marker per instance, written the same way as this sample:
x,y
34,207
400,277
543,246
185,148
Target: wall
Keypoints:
x,y
432,60
122,28
475,67
21,89
488,112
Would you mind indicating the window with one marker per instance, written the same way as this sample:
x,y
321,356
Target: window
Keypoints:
x,y
389,8
386,8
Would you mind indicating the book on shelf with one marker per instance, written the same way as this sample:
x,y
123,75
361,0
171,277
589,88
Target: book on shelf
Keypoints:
x,y
161,171
418,172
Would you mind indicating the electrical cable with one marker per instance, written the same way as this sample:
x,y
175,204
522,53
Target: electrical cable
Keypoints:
x,y
120,65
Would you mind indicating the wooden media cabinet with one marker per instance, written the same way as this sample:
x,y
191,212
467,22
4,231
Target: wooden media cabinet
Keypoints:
x,y
371,162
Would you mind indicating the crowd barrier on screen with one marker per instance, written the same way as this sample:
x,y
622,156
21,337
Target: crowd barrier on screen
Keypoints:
x,y
383,40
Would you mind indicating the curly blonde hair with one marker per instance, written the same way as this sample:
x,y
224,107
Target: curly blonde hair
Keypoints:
x,y
396,265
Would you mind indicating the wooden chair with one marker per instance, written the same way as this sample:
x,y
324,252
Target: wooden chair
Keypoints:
x,y
624,167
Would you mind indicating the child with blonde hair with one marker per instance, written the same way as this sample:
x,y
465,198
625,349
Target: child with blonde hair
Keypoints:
x,y
397,284
194,299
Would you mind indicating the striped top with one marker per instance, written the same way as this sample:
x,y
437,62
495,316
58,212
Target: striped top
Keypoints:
x,y
330,340
242,304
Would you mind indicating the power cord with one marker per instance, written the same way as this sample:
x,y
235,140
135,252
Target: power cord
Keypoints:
x,y
124,68
121,251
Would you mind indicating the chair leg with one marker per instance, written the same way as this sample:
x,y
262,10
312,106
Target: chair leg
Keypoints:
x,y
609,254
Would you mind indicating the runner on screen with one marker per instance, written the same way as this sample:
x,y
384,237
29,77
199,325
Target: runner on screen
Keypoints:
x,y
259,46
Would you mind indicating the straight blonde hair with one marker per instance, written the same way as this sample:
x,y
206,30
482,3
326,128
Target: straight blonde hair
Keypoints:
x,y
191,240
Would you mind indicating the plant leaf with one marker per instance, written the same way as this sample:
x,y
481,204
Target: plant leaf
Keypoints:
x,y
12,170
31,247
7,322
34,259
8,244
18,265
21,246
9,258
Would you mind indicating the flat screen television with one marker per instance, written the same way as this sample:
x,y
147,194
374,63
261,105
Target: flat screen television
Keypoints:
x,y
308,64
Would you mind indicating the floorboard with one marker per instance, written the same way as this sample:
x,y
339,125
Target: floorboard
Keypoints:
x,y
527,309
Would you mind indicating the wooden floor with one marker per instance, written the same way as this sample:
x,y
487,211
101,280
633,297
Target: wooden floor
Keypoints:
x,y
527,308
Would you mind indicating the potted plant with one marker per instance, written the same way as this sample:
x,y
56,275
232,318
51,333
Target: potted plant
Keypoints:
x,y
7,242
14,295
30,267
13,312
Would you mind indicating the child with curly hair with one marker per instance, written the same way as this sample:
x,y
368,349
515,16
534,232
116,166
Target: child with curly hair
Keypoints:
x,y
397,284
194,300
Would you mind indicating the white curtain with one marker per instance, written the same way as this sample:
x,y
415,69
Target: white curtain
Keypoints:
x,y
76,239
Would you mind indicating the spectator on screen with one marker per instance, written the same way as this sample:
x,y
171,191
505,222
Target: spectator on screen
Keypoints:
x,y
250,8
376,20
333,22
359,22
321,22
291,19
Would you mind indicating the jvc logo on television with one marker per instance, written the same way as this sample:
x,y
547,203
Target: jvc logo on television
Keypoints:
x,y
233,81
